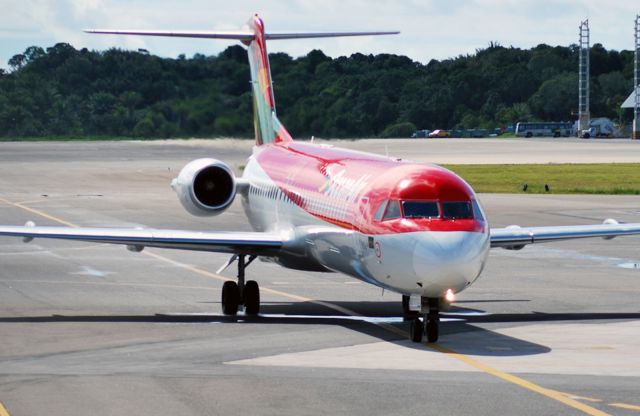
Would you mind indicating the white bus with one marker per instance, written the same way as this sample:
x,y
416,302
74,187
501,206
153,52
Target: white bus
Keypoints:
x,y
545,129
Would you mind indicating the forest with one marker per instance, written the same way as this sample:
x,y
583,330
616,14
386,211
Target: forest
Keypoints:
x,y
63,92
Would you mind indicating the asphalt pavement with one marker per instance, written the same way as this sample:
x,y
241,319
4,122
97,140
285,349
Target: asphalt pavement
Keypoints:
x,y
95,329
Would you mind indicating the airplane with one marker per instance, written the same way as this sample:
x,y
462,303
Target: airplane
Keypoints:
x,y
415,229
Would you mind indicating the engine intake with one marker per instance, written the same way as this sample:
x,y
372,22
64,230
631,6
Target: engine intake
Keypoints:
x,y
205,187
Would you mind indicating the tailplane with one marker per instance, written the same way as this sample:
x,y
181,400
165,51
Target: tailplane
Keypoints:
x,y
268,128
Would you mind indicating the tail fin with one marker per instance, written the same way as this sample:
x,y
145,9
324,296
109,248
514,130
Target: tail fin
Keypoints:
x,y
268,128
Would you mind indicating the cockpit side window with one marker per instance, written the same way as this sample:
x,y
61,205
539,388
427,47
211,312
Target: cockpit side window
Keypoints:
x,y
457,210
420,209
380,211
477,211
393,210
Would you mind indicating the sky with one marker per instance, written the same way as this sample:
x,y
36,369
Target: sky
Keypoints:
x,y
431,29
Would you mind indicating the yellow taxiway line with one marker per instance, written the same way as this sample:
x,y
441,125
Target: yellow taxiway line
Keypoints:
x,y
3,410
625,406
38,212
552,394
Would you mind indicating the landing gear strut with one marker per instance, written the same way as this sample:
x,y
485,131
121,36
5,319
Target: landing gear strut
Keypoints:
x,y
407,314
236,294
430,324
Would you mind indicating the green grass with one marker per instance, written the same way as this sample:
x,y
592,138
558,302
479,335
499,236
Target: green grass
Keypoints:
x,y
507,136
607,178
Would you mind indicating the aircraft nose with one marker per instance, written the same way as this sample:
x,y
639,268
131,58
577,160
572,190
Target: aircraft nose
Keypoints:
x,y
448,260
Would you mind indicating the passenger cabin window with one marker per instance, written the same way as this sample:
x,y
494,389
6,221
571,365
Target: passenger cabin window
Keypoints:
x,y
393,211
420,209
457,210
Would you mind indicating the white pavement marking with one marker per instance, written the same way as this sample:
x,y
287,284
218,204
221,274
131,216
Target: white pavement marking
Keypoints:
x,y
379,355
576,349
90,271
599,349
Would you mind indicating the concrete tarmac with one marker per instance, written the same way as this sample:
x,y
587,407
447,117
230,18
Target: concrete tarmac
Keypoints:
x,y
95,329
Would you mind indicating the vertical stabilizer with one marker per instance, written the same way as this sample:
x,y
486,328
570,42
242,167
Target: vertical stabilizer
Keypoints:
x,y
267,127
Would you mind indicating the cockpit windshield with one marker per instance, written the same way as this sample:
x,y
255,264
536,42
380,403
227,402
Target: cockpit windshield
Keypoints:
x,y
420,209
457,210
390,209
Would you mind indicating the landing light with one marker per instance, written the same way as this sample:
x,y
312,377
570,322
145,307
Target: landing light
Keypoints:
x,y
450,296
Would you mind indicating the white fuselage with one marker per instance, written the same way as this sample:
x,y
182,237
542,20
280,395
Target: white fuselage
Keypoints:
x,y
427,263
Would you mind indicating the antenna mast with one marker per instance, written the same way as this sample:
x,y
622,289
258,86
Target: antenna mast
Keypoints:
x,y
583,78
635,134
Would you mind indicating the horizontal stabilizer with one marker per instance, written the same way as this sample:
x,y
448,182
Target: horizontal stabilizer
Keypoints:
x,y
268,128
239,34
303,35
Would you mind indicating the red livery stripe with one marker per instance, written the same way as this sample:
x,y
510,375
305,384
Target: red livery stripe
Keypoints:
x,y
345,188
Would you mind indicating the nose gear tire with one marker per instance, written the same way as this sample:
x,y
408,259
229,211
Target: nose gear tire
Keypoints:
x,y
416,330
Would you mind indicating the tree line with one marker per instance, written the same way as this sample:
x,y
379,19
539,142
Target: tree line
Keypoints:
x,y
62,91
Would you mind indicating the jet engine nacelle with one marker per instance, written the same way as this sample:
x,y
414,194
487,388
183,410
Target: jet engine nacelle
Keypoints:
x,y
205,187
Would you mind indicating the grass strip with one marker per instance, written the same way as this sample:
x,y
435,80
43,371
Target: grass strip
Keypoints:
x,y
597,178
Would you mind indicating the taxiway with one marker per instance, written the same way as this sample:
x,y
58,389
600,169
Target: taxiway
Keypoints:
x,y
95,329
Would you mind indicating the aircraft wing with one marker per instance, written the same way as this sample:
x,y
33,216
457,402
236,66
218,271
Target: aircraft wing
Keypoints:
x,y
258,243
515,237
255,243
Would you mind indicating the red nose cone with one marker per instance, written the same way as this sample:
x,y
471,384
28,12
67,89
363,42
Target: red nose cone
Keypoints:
x,y
431,183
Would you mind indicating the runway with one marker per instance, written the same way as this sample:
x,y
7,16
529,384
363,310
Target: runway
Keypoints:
x,y
96,329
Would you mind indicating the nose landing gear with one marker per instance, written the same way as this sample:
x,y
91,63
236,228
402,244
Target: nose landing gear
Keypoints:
x,y
430,324
407,313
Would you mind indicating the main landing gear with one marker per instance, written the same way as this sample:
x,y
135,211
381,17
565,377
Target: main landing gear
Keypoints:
x,y
430,324
239,294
